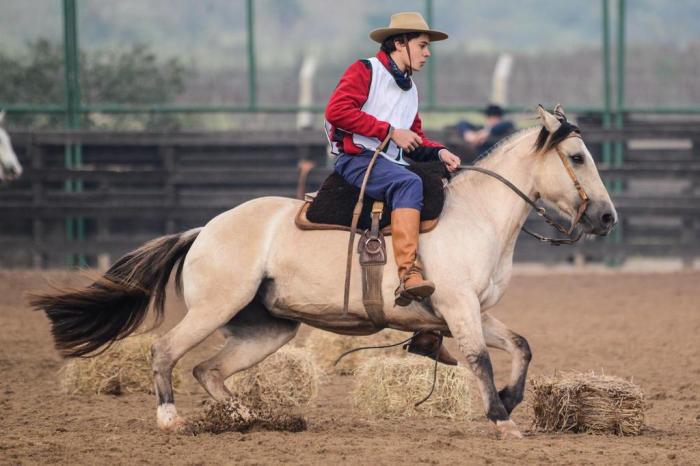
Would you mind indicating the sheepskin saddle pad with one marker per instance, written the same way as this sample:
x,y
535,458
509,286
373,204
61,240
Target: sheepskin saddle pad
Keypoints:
x,y
333,204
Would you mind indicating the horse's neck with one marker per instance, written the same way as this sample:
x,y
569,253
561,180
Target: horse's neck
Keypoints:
x,y
477,199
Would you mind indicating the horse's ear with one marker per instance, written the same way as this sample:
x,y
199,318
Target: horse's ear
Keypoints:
x,y
559,112
2,115
549,121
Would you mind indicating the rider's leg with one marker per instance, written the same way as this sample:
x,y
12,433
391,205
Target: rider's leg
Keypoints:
x,y
405,225
403,192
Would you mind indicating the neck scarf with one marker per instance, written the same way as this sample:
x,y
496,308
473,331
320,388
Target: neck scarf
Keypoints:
x,y
403,80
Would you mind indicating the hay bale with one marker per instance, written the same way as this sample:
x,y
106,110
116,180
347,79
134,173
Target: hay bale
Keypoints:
x,y
123,368
326,347
286,379
578,402
389,388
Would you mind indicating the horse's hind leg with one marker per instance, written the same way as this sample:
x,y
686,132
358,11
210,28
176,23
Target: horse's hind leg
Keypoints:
x,y
252,335
210,307
497,335
198,324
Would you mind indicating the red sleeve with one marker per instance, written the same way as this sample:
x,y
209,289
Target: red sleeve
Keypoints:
x,y
344,107
417,127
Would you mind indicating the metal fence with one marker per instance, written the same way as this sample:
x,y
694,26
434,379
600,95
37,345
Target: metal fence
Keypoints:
x,y
613,76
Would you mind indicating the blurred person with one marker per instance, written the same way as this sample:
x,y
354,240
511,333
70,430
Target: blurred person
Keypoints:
x,y
375,96
480,139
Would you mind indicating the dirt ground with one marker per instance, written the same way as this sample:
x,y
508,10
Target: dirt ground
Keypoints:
x,y
640,326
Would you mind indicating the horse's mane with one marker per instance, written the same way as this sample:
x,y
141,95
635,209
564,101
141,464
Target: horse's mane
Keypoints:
x,y
505,144
559,135
500,144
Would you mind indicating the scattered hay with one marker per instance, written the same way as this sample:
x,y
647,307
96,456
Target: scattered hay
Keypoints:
x,y
577,402
124,368
389,388
286,379
220,417
326,347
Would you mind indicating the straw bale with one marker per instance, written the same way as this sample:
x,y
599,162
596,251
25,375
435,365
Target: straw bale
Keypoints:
x,y
288,378
389,388
123,368
326,347
586,402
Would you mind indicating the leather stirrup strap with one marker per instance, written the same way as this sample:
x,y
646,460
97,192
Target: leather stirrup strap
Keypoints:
x,y
356,217
372,251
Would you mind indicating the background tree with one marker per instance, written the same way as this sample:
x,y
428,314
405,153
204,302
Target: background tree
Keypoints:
x,y
131,76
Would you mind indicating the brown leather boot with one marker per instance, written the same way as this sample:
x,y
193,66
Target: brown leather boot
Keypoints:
x,y
426,343
405,225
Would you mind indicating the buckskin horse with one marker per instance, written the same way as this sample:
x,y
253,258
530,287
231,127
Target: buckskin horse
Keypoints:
x,y
251,273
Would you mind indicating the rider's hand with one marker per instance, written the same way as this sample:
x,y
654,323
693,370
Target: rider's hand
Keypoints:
x,y
406,139
450,160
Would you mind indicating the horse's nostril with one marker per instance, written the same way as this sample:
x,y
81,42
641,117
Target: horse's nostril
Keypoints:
x,y
607,218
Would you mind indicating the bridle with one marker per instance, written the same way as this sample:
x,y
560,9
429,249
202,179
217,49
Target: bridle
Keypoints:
x,y
541,211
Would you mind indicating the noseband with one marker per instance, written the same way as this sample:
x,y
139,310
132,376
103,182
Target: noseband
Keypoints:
x,y
541,211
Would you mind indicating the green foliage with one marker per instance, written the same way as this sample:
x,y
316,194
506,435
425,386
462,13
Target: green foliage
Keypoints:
x,y
131,76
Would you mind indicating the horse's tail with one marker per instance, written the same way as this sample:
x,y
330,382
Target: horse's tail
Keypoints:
x,y
114,305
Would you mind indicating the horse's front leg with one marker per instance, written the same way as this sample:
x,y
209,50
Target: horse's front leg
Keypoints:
x,y
497,335
462,312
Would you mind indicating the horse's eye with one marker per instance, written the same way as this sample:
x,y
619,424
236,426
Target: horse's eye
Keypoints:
x,y
577,159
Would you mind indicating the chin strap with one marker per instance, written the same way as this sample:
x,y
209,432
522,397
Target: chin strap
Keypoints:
x,y
408,51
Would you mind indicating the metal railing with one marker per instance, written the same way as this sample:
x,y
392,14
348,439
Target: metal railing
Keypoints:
x,y
73,107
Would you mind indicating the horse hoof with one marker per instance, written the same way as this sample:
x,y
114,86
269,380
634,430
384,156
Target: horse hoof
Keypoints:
x,y
169,420
507,429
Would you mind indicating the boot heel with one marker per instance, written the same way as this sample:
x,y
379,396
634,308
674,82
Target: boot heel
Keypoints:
x,y
402,299
421,291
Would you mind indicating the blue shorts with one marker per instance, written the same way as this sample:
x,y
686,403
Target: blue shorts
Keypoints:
x,y
393,183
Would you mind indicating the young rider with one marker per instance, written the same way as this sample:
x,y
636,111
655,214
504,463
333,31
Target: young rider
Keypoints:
x,y
376,96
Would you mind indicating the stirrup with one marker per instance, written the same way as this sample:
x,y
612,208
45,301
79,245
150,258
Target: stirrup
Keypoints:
x,y
403,297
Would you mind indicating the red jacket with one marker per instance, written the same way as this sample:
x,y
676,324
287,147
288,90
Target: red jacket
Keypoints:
x,y
344,110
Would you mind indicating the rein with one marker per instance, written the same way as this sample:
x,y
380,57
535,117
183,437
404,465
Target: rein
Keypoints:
x,y
391,345
541,211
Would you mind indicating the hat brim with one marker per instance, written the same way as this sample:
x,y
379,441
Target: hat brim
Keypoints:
x,y
379,35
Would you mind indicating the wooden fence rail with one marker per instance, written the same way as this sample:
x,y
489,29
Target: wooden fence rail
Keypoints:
x,y
136,186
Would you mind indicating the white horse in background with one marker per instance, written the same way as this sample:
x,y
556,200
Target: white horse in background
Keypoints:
x,y
9,165
251,273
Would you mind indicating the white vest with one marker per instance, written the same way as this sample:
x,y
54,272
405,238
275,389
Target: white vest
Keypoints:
x,y
386,101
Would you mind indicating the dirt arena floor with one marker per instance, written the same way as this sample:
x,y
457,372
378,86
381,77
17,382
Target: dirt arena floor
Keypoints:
x,y
640,326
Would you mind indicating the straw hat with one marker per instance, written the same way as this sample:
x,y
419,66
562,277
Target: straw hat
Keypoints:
x,y
403,23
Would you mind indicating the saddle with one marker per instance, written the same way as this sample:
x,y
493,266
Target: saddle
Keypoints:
x,y
331,208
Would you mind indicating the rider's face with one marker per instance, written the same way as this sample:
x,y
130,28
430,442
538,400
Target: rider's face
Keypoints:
x,y
420,51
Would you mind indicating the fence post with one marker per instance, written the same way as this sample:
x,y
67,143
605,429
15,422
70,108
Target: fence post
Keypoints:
x,y
431,62
35,155
252,72
75,227
607,113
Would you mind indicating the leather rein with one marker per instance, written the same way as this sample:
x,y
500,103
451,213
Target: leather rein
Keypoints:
x,y
541,211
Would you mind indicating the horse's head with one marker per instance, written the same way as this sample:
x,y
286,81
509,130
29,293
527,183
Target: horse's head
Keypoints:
x,y
565,162
9,165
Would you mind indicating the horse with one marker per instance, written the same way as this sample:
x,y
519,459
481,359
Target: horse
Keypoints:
x,y
253,275
10,168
